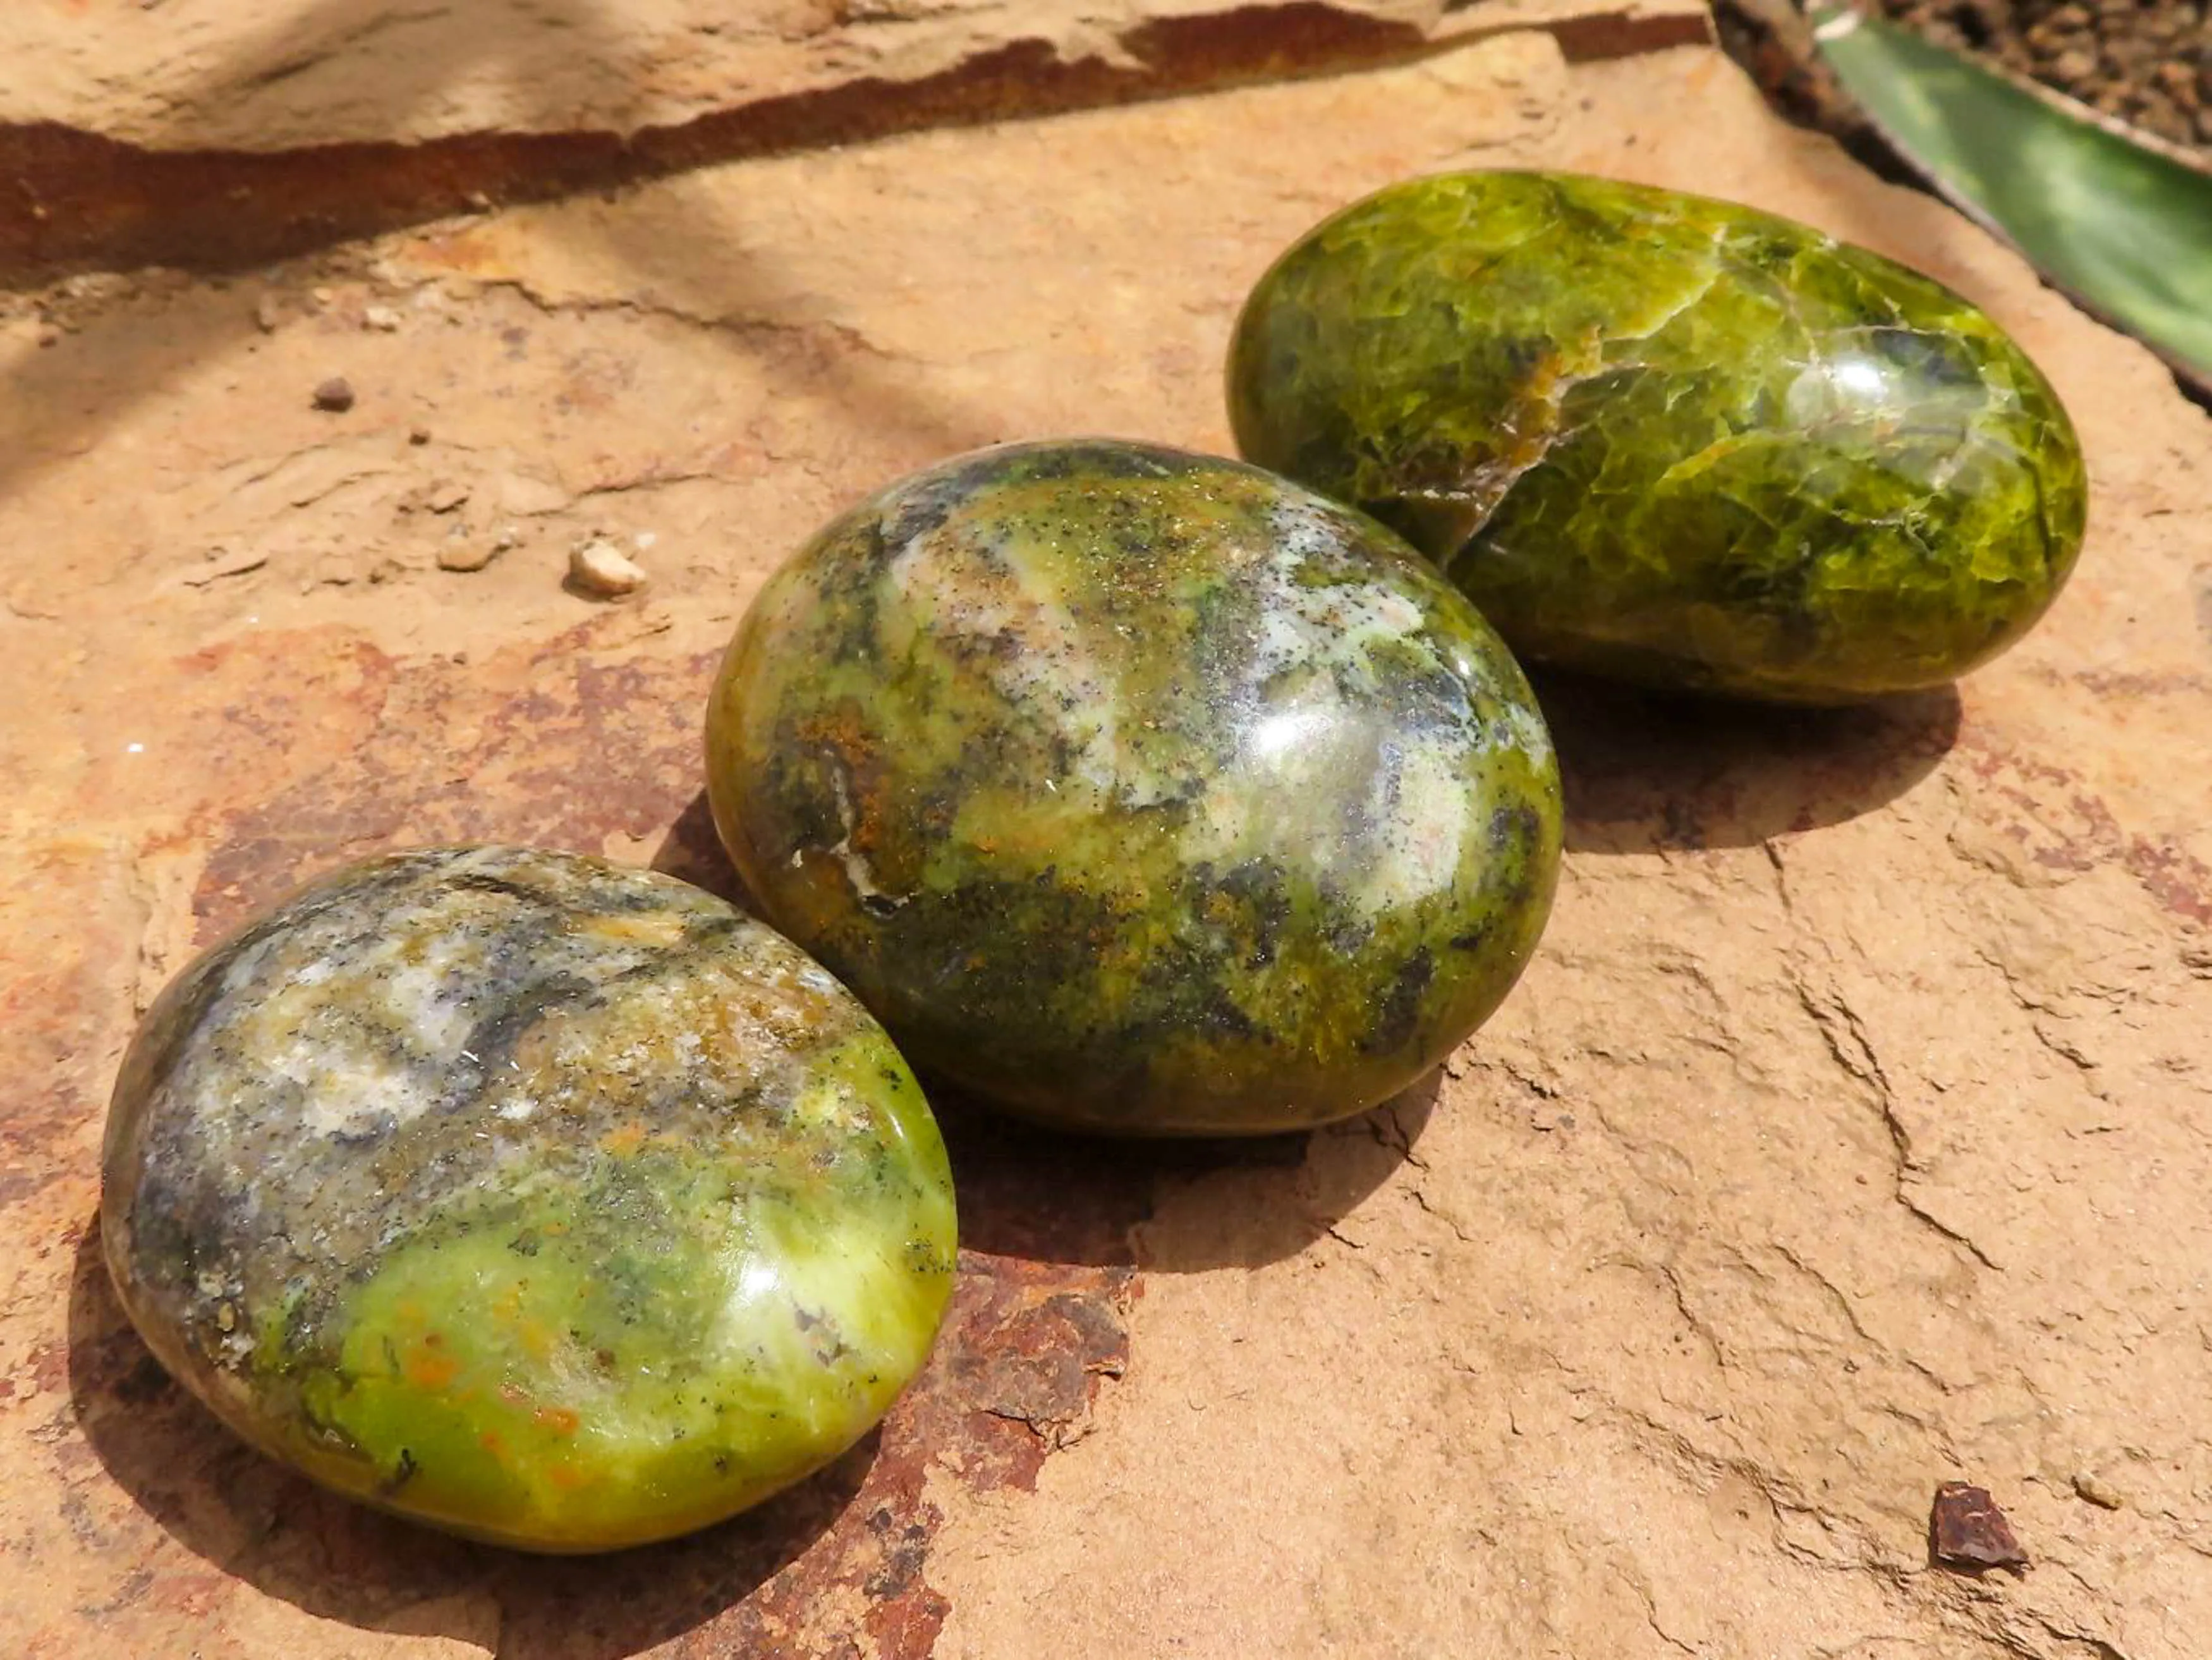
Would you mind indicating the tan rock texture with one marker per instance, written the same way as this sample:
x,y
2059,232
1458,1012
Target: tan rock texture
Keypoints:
x,y
270,75
1850,1134
230,131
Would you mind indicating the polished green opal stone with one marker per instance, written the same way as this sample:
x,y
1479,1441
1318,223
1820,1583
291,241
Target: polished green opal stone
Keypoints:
x,y
1667,438
1139,791
553,1203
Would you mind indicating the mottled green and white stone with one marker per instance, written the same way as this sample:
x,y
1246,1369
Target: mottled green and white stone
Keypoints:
x,y
1668,438
1139,791
557,1204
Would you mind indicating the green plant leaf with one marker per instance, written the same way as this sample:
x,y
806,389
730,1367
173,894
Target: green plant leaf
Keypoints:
x,y
2123,228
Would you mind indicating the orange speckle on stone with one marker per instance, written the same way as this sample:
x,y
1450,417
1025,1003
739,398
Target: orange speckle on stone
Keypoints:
x,y
561,1421
463,251
494,1443
625,1140
566,1476
846,733
431,1371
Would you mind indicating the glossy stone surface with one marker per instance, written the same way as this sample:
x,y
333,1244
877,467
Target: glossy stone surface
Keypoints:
x,y
1668,438
1139,791
557,1204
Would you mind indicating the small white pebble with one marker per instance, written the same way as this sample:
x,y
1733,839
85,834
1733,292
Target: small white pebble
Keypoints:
x,y
599,568
381,318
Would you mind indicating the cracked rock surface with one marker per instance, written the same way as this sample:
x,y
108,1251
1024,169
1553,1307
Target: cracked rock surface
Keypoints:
x,y
312,121
270,75
1849,1134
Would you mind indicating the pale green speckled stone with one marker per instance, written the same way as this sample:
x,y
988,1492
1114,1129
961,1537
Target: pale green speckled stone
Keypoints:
x,y
1139,791
553,1203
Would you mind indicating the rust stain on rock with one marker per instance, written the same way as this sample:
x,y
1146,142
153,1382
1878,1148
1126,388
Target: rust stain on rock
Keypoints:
x,y
72,916
551,745
2058,824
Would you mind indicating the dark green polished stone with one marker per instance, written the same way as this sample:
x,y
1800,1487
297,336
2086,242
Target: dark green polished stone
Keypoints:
x,y
1668,438
554,1203
1139,791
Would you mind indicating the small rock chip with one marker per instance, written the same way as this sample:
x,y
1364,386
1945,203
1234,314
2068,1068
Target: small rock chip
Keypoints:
x,y
466,555
418,436
222,562
267,314
2097,1491
520,493
445,496
382,318
335,395
598,567
1967,1530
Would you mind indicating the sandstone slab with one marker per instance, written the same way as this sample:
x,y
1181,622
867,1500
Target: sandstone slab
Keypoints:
x,y
1848,1135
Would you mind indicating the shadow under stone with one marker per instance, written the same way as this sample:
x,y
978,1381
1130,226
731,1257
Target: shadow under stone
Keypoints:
x,y
1645,771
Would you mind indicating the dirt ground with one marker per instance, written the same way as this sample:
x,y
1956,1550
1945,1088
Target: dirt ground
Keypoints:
x,y
1850,1134
2148,62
